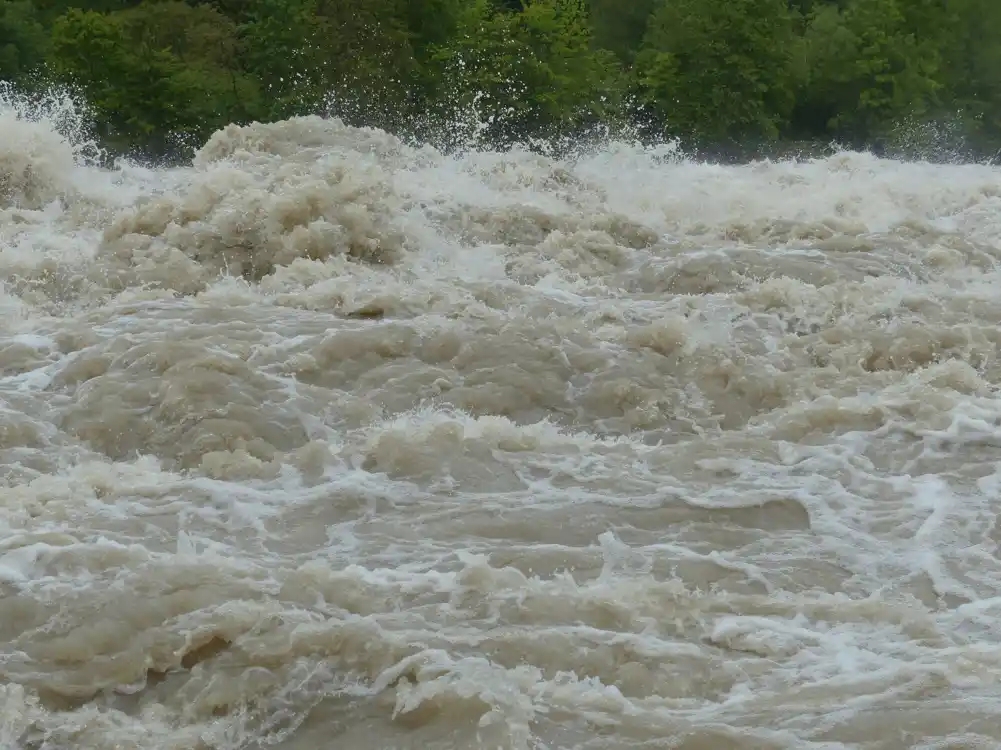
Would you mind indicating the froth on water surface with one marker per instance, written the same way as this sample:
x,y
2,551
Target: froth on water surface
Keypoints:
x,y
326,441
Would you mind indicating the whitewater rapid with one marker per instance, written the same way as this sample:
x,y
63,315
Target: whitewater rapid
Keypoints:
x,y
327,441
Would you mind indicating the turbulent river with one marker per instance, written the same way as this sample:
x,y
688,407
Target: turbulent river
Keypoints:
x,y
324,441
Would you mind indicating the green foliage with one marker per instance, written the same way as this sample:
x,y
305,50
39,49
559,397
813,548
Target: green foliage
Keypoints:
x,y
372,71
23,39
972,73
717,70
204,55
281,45
867,68
619,26
433,23
533,73
153,72
711,72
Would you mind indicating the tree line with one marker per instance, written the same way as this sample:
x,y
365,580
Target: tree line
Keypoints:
x,y
718,74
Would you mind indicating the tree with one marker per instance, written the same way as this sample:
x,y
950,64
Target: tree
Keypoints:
x,y
204,48
530,74
717,70
154,74
281,44
23,39
619,26
972,66
867,69
354,56
717,73
373,71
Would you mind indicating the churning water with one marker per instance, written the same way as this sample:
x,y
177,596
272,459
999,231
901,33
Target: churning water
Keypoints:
x,y
327,442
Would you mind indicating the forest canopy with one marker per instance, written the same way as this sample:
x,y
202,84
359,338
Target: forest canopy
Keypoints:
x,y
717,74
